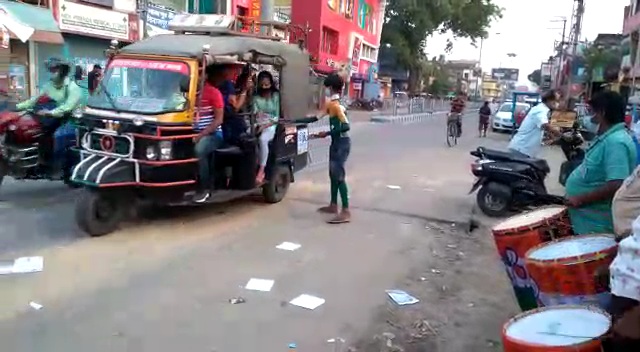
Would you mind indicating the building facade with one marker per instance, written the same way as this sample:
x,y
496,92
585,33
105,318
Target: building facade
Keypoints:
x,y
345,36
24,27
491,88
87,28
464,75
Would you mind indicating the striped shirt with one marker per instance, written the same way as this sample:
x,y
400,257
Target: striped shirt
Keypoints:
x,y
205,113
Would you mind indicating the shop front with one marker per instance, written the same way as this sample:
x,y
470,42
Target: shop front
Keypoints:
x,y
23,27
87,32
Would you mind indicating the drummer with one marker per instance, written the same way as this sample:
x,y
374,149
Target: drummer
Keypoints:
x,y
609,160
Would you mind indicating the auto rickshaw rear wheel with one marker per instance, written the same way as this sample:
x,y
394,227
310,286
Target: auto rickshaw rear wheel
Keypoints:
x,y
276,188
99,213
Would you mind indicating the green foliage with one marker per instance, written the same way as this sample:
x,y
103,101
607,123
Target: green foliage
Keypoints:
x,y
535,77
409,22
596,56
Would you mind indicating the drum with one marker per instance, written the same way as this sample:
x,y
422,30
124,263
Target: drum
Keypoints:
x,y
516,235
564,270
557,329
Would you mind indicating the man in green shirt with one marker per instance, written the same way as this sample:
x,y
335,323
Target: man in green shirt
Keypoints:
x,y
63,93
609,160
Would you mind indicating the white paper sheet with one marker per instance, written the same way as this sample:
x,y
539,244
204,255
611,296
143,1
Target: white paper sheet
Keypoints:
x,y
288,246
36,306
402,298
307,301
259,285
393,187
28,265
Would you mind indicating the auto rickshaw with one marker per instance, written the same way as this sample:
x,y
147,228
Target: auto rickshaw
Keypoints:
x,y
136,145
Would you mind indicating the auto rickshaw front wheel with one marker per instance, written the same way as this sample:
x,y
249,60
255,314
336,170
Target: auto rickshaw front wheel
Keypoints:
x,y
276,188
99,213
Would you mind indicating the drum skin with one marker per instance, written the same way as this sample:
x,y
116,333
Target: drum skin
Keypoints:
x,y
571,279
513,244
513,345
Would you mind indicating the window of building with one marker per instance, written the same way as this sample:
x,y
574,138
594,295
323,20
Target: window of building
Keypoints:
x,y
330,40
369,53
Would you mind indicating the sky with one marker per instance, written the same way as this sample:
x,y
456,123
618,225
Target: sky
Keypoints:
x,y
527,30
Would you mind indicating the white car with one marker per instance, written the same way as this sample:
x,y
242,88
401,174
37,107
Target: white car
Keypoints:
x,y
502,120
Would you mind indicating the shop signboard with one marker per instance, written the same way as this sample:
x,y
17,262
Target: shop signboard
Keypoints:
x,y
158,19
356,49
505,74
545,75
93,21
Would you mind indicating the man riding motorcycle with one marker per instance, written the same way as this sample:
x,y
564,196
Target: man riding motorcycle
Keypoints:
x,y
58,98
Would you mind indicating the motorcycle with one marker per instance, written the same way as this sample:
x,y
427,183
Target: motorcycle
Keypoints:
x,y
507,182
26,145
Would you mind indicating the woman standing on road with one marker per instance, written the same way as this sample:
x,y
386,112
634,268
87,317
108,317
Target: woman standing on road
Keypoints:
x,y
338,150
485,113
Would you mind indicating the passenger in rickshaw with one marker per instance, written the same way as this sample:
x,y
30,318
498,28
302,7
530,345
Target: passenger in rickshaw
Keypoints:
x,y
266,105
237,102
208,126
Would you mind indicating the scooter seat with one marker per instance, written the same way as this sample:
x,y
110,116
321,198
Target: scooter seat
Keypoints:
x,y
539,164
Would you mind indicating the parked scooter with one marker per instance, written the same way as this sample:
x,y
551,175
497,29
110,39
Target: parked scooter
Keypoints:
x,y
510,183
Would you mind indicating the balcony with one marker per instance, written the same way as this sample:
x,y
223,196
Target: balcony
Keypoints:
x,y
631,24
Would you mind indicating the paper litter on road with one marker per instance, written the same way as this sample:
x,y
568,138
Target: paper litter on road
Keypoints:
x,y
307,301
402,298
259,285
237,300
288,246
393,187
36,306
22,265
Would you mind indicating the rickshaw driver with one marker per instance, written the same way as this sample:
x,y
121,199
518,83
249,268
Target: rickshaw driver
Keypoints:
x,y
208,125
66,96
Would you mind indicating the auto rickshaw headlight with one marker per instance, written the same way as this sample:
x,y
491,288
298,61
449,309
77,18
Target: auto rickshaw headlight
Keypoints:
x,y
165,150
138,121
151,153
77,113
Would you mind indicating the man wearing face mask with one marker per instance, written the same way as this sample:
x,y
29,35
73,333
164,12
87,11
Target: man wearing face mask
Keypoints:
x,y
528,140
609,160
64,96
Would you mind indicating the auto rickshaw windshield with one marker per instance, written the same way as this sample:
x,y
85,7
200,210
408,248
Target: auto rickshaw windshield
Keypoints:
x,y
143,86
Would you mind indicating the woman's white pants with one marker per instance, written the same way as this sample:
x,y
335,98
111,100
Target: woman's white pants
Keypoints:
x,y
266,137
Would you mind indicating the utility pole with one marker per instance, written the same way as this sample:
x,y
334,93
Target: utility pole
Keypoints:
x,y
267,8
561,51
477,93
144,12
577,28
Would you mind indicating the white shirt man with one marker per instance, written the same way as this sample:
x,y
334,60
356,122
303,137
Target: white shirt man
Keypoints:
x,y
528,139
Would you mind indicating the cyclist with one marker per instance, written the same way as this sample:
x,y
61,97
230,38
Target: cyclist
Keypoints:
x,y
457,107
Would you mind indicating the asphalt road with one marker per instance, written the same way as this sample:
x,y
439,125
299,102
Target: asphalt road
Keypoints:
x,y
164,283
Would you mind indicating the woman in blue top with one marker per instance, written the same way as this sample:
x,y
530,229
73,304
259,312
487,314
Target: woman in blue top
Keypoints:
x,y
266,105
609,160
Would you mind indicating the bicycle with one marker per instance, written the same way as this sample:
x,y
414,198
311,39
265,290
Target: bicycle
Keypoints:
x,y
453,130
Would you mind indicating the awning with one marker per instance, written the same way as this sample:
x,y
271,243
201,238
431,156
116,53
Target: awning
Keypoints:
x,y
29,22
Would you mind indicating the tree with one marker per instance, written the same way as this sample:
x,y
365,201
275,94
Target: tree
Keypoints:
x,y
408,23
535,77
600,57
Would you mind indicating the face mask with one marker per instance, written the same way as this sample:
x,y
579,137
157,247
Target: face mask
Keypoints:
x,y
327,92
589,125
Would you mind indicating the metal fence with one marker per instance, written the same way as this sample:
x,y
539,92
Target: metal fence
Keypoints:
x,y
398,106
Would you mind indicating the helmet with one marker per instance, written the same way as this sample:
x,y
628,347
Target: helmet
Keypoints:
x,y
61,66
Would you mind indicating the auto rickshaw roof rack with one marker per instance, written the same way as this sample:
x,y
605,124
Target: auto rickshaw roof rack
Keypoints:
x,y
226,25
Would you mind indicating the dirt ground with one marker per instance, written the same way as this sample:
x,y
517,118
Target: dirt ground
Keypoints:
x,y
464,298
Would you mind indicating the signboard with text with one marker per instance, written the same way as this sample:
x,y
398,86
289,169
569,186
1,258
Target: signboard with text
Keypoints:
x,y
158,19
505,74
84,19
